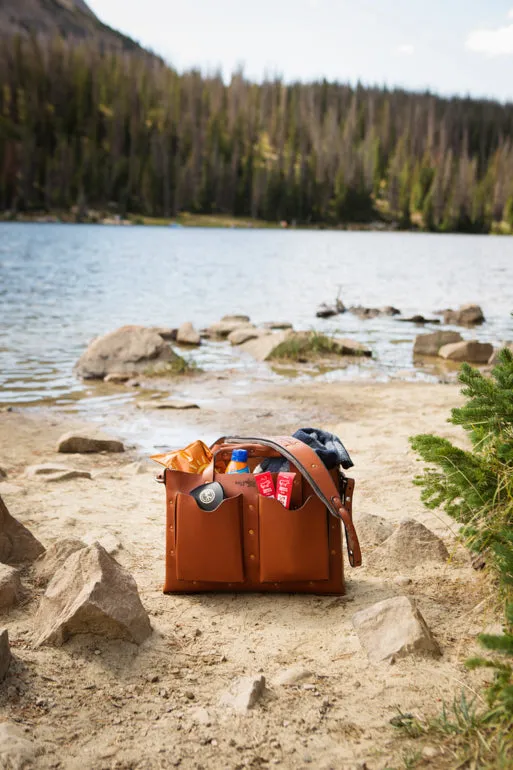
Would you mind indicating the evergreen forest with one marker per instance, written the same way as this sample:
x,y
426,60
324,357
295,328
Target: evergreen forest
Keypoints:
x,y
83,129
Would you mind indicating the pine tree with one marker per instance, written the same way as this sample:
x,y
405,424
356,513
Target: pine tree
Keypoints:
x,y
476,488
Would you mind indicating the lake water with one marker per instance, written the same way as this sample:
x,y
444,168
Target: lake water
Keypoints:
x,y
62,285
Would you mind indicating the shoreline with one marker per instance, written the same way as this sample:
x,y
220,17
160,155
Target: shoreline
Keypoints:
x,y
221,221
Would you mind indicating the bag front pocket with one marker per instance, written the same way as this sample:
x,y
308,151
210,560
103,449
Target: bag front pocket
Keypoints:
x,y
209,543
293,543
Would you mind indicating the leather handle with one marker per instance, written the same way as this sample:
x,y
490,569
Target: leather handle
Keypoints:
x,y
305,459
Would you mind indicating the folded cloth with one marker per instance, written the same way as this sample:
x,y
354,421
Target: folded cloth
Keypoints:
x,y
327,446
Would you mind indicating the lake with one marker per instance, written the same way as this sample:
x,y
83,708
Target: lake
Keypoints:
x,y
62,285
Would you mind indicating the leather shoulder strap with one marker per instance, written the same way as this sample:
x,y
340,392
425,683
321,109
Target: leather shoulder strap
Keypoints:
x,y
305,459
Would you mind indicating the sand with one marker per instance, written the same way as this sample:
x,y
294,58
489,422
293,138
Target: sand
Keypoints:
x,y
104,704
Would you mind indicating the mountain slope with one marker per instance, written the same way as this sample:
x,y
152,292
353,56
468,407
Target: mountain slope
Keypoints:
x,y
69,18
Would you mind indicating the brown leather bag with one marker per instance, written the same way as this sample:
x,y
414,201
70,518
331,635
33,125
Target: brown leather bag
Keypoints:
x,y
252,543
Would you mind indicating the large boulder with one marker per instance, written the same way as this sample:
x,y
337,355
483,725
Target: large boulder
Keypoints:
x,y
91,594
430,344
11,591
408,546
5,661
467,315
494,358
470,351
54,557
128,350
82,443
234,318
394,628
263,347
187,335
51,472
17,544
222,329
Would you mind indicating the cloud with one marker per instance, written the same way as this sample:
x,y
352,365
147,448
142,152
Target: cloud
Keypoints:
x,y
406,49
492,42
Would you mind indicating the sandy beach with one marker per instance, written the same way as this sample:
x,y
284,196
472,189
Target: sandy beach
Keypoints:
x,y
105,704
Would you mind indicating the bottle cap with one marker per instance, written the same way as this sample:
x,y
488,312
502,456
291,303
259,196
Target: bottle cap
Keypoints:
x,y
240,455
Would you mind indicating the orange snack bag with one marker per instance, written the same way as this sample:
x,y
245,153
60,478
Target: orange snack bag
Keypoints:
x,y
192,459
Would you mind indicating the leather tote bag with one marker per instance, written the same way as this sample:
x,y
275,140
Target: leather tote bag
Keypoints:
x,y
253,543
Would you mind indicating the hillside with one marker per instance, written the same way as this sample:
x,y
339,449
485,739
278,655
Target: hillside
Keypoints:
x,y
71,19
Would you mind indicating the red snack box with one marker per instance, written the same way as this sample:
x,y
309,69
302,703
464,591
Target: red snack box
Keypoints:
x,y
265,484
284,484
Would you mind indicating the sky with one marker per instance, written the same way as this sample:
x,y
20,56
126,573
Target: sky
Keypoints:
x,y
447,46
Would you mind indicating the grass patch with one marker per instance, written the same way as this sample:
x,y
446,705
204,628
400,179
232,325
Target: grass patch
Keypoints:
x,y
177,367
305,346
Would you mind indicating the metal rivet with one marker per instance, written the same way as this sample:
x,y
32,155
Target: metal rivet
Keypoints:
x,y
251,555
333,553
348,499
251,531
314,465
276,585
311,582
194,582
172,553
251,507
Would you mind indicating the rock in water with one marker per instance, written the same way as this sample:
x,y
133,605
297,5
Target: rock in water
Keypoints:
x,y
129,350
187,335
54,557
246,693
430,344
241,319
467,315
5,661
394,628
11,591
345,347
471,351
410,545
264,346
244,333
17,544
91,594
373,530
17,752
223,328
80,443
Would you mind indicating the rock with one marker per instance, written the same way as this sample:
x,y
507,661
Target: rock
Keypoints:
x,y
11,591
373,312
17,544
107,540
494,358
117,377
471,351
187,335
345,347
419,319
128,350
430,344
167,404
373,530
5,662
3,474
166,333
243,334
222,329
91,594
17,752
49,472
52,560
289,677
467,315
277,325
394,628
81,443
241,319
402,580
245,694
408,546
138,468
263,347
200,715
326,311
